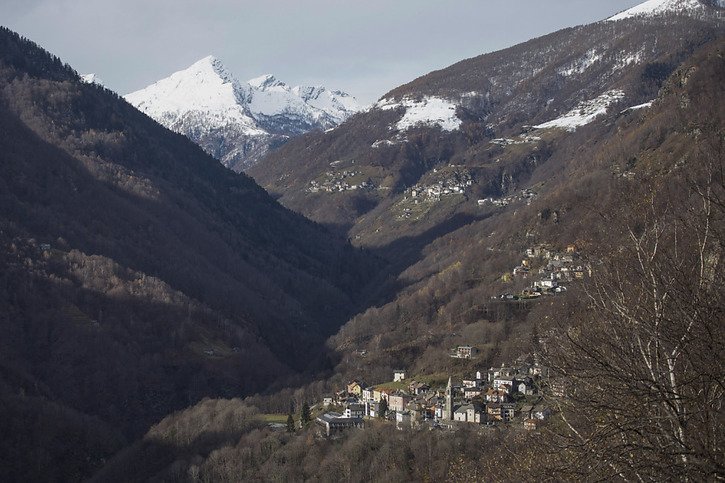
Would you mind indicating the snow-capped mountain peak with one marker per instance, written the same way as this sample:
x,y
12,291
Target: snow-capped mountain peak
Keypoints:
x,y
340,105
653,8
210,65
236,121
203,90
265,82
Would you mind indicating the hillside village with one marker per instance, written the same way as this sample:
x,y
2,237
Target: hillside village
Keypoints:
x,y
451,183
340,179
506,395
548,271
526,195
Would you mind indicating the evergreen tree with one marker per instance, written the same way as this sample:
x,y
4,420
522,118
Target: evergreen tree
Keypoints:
x,y
290,423
305,416
383,408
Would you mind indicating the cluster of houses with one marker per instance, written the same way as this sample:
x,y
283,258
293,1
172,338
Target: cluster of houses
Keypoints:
x,y
522,139
557,268
526,195
499,395
340,181
453,183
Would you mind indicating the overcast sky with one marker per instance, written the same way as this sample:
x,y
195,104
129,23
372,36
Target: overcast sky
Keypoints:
x,y
365,47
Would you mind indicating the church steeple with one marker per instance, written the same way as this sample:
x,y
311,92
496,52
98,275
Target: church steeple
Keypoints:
x,y
448,412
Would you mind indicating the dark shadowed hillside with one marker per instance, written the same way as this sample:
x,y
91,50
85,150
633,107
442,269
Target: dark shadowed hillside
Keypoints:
x,y
138,275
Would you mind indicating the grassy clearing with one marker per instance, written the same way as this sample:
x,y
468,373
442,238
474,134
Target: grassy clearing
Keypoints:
x,y
273,418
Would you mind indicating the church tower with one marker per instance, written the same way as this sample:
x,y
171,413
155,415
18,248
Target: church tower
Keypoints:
x,y
448,412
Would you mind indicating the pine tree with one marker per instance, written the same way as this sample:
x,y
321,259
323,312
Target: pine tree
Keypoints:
x,y
383,407
290,423
305,416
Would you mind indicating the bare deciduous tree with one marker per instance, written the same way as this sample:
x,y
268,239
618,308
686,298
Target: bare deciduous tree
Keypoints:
x,y
644,365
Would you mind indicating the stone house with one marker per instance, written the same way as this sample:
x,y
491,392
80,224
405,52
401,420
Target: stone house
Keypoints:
x,y
470,413
398,401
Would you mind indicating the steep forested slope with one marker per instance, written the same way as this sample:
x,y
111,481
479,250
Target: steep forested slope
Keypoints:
x,y
138,275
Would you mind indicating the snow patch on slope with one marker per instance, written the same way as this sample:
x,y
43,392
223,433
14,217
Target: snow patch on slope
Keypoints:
x,y
92,79
652,8
628,59
582,64
340,105
428,111
585,112
646,105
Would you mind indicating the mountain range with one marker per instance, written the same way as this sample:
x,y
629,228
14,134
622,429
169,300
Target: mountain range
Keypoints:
x,y
237,122
480,128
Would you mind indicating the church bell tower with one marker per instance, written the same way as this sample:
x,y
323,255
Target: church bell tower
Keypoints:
x,y
448,413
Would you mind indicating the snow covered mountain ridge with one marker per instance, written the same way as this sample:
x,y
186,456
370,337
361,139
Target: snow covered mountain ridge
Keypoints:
x,y
442,109
653,8
237,121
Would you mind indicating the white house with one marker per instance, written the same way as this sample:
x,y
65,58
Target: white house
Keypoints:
x,y
354,411
541,412
367,394
469,413
545,283
398,375
526,387
465,352
372,409
471,383
505,383
402,419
